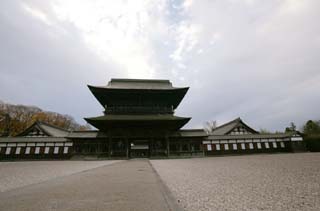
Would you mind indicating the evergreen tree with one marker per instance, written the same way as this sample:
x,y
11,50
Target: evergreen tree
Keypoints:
x,y
291,128
311,127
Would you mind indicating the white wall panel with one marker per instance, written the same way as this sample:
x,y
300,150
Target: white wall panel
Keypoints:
x,y
218,147
234,146
226,146
18,150
46,150
56,150
65,150
27,152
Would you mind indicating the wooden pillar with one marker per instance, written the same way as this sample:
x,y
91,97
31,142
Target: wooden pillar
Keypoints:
x,y
180,146
109,146
99,147
151,147
190,149
168,146
203,149
127,144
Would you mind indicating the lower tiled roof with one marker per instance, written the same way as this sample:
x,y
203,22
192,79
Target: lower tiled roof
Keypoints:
x,y
249,136
31,139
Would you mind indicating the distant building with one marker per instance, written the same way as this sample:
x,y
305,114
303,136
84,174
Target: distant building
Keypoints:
x,y
139,121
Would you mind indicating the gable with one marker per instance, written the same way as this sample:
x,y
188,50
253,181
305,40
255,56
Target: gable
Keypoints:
x,y
34,131
234,127
41,129
240,130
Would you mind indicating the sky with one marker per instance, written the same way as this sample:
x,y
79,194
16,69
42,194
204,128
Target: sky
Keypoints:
x,y
254,59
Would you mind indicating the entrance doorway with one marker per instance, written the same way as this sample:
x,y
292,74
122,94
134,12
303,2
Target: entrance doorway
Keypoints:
x,y
139,149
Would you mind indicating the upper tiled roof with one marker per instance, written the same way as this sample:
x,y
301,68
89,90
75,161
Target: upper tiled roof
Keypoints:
x,y
138,84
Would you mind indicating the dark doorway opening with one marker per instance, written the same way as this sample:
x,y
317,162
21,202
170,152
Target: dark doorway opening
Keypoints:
x,y
139,149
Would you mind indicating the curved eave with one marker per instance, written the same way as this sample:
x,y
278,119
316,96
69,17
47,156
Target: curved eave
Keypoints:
x,y
107,96
105,123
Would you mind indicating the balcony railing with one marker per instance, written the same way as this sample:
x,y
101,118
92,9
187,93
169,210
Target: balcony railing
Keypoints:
x,y
139,110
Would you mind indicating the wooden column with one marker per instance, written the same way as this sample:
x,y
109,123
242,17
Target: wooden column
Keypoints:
x,y
168,146
189,146
109,146
150,146
99,146
180,147
127,143
202,146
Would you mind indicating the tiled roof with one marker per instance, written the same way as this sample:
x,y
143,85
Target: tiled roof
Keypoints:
x,y
227,127
84,134
53,130
146,117
249,136
47,129
139,84
190,133
31,139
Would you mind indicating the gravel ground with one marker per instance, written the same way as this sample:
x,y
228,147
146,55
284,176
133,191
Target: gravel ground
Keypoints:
x,y
18,174
251,182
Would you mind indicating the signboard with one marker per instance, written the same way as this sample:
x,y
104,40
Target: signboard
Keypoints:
x,y
139,147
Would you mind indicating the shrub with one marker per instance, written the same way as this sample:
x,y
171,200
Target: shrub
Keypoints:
x,y
312,142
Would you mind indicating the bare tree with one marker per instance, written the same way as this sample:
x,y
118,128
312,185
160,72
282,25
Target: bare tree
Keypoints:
x,y
210,126
16,118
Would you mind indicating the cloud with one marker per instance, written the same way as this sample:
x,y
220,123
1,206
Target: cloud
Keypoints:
x,y
37,14
119,31
258,60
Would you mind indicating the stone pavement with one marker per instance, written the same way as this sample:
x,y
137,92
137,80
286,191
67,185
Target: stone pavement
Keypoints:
x,y
128,185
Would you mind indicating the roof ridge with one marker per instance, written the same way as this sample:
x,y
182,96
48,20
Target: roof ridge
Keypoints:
x,y
131,88
238,121
84,131
192,129
34,124
228,123
53,126
138,80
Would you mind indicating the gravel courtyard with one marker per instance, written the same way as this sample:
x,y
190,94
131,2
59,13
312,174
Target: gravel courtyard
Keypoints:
x,y
251,182
248,182
18,174
127,185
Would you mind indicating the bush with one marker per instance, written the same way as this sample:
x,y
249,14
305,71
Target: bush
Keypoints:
x,y
312,143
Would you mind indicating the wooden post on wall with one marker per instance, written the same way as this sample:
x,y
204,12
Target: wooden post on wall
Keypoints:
x,y
180,146
203,147
168,146
151,147
109,147
189,147
127,144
